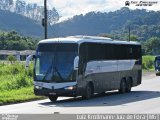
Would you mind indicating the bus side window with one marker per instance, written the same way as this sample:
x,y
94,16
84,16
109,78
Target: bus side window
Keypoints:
x,y
109,52
131,51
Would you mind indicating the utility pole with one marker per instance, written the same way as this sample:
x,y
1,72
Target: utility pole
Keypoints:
x,y
129,27
44,20
129,32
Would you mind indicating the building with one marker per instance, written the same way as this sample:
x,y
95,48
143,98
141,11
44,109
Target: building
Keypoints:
x,y
20,55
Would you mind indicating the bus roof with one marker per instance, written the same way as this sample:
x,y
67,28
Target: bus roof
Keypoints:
x,y
83,39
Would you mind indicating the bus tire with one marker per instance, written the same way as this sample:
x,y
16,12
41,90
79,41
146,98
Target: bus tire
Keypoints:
x,y
88,92
52,98
129,85
122,86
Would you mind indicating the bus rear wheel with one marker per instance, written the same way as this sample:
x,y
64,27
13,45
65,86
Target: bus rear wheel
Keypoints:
x,y
88,92
129,85
123,86
52,98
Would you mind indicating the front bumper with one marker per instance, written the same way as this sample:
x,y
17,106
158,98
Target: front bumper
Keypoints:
x,y
158,73
58,92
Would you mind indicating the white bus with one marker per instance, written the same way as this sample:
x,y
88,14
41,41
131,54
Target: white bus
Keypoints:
x,y
84,65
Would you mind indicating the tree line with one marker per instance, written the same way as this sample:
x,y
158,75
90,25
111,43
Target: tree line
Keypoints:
x,y
13,41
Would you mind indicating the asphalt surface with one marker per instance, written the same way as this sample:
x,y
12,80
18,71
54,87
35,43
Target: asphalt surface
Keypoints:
x,y
144,98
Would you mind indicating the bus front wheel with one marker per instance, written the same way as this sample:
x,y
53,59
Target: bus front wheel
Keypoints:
x,y
123,86
52,98
88,92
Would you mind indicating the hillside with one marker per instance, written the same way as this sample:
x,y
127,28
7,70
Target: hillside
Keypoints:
x,y
12,21
144,24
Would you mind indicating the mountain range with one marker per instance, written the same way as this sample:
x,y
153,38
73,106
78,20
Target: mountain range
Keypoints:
x,y
143,24
11,21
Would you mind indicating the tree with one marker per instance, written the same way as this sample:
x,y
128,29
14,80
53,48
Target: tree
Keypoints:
x,y
151,46
11,58
134,38
13,41
106,35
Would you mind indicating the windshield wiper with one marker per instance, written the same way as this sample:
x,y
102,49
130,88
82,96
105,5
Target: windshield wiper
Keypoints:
x,y
48,71
56,70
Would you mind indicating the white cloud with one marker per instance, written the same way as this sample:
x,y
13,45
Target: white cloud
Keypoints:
x,y
40,2
69,8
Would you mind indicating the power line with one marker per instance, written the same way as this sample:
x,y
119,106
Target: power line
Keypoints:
x,y
45,22
51,28
49,23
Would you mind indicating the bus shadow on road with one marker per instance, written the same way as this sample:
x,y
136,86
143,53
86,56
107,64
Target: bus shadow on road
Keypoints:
x,y
107,99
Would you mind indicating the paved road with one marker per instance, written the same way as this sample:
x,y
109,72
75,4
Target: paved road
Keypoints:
x,y
143,99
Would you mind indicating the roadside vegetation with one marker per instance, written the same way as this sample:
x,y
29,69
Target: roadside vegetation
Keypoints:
x,y
148,63
14,41
16,84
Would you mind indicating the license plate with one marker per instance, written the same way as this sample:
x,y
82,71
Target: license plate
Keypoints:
x,y
52,93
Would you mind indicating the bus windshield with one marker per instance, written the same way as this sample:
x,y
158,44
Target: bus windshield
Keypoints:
x,y
55,62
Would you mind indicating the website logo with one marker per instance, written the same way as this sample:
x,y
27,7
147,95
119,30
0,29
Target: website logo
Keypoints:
x,y
140,3
127,3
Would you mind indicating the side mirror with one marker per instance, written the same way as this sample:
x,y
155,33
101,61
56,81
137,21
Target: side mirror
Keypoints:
x,y
76,60
28,60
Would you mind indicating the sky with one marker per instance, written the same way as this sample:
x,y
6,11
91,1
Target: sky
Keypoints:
x,y
69,8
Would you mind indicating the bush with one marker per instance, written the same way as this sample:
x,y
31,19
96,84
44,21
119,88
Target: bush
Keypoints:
x,y
23,81
11,58
14,76
148,62
16,84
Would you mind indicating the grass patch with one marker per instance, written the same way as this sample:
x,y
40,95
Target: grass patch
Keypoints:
x,y
16,84
19,95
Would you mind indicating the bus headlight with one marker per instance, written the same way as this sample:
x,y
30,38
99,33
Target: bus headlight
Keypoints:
x,y
38,87
70,88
